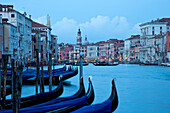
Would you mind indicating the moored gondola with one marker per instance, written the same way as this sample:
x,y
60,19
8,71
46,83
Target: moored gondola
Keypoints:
x,y
66,75
38,98
64,107
46,71
107,106
78,94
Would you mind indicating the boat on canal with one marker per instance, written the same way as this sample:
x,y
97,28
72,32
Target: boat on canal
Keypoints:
x,y
106,63
107,106
65,75
78,94
38,98
61,107
77,63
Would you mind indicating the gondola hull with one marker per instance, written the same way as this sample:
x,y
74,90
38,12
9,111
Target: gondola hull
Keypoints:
x,y
62,107
38,98
107,106
65,75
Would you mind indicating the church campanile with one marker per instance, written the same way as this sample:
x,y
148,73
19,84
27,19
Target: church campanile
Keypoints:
x,y
79,38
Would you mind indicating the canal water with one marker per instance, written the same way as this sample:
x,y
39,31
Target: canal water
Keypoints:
x,y
141,89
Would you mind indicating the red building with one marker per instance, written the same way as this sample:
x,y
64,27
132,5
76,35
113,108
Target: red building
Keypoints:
x,y
65,51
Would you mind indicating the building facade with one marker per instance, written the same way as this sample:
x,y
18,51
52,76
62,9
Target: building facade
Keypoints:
x,y
92,53
168,47
153,40
44,34
23,27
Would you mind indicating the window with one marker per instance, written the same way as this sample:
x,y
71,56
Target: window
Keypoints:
x,y
12,15
153,32
152,28
160,28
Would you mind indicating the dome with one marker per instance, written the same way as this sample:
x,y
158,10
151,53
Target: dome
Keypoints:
x,y
86,42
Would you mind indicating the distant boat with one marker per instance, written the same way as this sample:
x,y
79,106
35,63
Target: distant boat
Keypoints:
x,y
168,64
106,64
165,64
149,64
77,64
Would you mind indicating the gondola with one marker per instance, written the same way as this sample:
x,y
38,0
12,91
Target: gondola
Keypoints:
x,y
30,71
46,71
107,106
25,77
78,94
66,75
64,107
38,98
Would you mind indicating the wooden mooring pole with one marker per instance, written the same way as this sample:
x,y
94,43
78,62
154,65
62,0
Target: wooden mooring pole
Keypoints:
x,y
42,72
37,71
4,82
20,83
50,73
15,92
0,79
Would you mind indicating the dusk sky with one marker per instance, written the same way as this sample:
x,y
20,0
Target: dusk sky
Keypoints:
x,y
98,19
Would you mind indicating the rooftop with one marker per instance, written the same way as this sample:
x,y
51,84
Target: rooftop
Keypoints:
x,y
158,21
133,37
36,24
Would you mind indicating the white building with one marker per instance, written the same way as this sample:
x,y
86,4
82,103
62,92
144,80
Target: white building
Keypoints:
x,y
45,38
10,41
92,52
127,50
150,30
23,25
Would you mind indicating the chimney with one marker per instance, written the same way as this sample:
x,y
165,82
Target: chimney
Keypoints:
x,y
158,19
10,6
25,13
152,20
30,16
48,21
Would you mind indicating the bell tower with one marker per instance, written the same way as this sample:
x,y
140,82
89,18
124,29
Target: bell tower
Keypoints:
x,y
79,38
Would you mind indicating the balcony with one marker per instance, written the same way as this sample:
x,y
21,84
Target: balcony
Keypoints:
x,y
7,52
143,48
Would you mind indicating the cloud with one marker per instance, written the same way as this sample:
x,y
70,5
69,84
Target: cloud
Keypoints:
x,y
42,20
97,28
